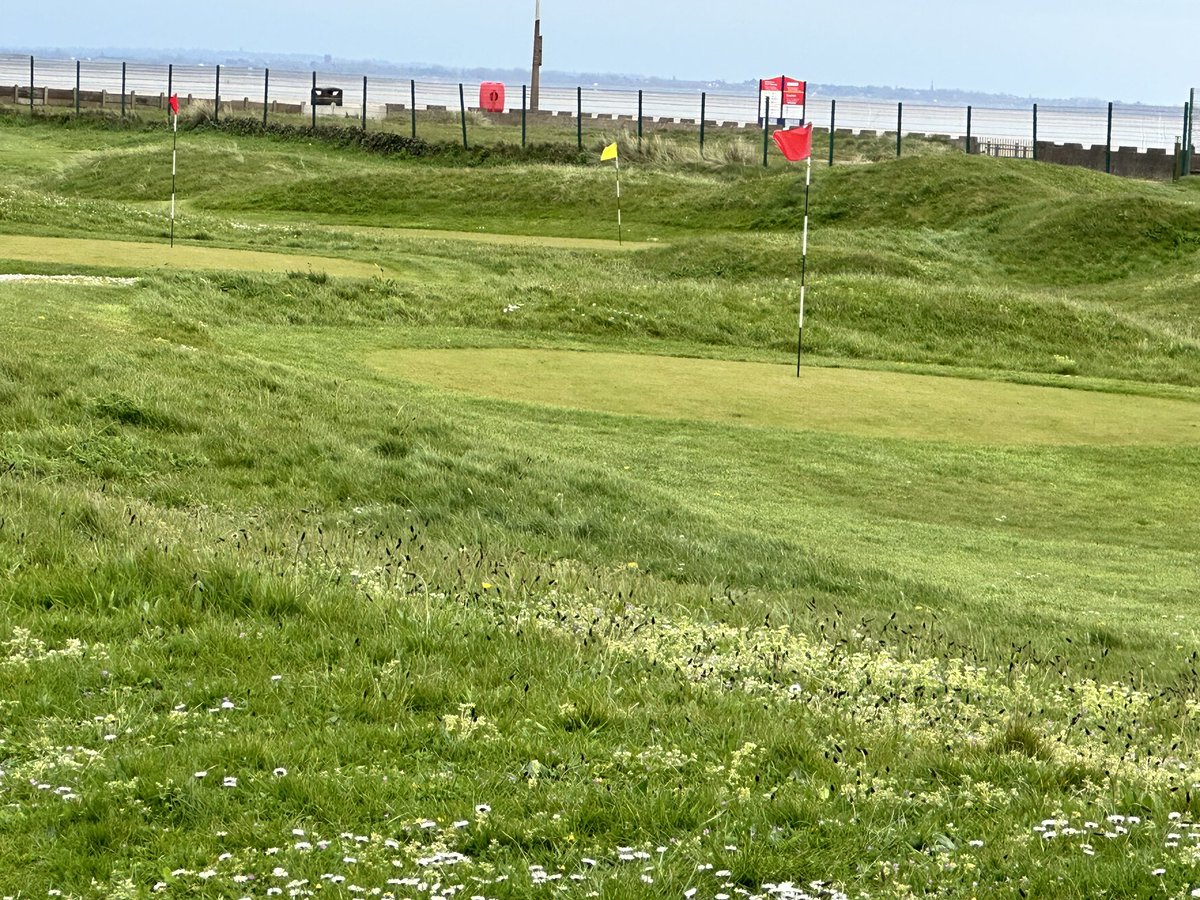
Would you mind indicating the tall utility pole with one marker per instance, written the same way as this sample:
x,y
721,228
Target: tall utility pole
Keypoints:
x,y
537,56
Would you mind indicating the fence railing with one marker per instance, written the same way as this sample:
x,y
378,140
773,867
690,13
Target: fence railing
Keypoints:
x,y
1006,149
270,93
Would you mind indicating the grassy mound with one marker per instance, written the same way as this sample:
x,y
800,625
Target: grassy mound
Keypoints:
x,y
1092,240
950,192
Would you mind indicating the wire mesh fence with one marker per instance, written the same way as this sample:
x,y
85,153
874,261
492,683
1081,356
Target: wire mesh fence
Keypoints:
x,y
441,110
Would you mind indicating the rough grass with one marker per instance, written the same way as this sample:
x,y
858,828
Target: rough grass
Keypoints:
x,y
271,620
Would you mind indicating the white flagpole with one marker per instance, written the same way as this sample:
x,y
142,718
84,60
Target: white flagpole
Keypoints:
x,y
617,160
803,263
174,139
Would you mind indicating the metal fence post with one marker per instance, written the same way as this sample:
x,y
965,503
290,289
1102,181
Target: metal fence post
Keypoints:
x,y
1182,154
832,124
766,122
122,90
412,105
639,117
1189,139
1181,165
217,101
579,117
266,93
968,141
1035,132
524,101
462,112
364,109
1108,142
77,63
899,126
703,98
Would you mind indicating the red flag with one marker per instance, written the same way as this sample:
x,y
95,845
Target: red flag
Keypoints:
x,y
795,143
174,101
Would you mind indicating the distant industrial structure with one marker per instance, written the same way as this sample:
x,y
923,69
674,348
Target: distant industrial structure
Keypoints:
x,y
536,76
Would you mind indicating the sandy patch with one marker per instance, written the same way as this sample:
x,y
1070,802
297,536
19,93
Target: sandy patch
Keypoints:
x,y
71,279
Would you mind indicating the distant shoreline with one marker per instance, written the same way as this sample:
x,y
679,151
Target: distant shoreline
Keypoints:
x,y
338,66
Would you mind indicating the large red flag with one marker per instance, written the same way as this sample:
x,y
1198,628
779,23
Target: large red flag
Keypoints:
x,y
174,101
795,143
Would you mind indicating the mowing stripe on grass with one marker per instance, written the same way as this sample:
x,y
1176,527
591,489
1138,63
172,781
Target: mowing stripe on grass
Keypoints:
x,y
144,255
853,401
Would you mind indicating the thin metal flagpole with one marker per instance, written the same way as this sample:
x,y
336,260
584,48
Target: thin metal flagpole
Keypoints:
x,y
617,160
174,139
803,263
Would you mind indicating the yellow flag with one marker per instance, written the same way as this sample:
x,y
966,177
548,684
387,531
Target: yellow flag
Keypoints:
x,y
610,152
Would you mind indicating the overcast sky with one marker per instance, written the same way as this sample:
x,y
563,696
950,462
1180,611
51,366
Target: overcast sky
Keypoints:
x,y
1100,49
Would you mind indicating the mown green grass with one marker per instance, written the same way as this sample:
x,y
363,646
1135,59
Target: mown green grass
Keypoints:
x,y
854,401
135,255
654,653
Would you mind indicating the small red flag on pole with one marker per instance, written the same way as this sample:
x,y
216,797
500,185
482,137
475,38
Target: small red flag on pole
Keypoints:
x,y
795,143
174,101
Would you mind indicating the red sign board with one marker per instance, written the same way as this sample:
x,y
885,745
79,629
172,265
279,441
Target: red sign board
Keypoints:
x,y
785,97
793,92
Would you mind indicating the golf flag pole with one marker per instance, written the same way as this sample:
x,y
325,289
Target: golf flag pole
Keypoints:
x,y
174,139
796,145
617,163
803,261
610,152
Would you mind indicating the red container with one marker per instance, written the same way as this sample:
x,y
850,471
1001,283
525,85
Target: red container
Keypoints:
x,y
491,96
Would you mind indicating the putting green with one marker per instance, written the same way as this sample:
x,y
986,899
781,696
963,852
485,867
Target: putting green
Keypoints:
x,y
134,255
854,401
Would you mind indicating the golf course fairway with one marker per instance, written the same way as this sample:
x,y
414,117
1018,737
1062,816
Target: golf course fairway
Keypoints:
x,y
136,255
853,401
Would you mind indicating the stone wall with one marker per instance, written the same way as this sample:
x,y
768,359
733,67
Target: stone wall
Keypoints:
x,y
544,117
65,97
1155,163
